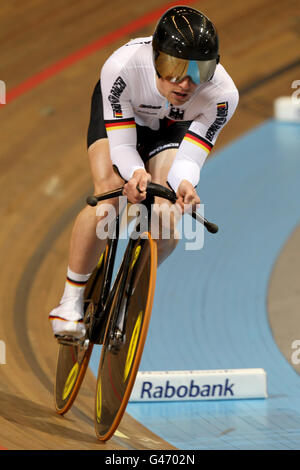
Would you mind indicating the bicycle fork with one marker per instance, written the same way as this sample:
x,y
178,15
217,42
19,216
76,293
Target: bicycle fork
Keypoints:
x,y
119,318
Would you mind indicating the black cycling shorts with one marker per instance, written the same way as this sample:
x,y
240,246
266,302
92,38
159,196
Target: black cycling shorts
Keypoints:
x,y
149,142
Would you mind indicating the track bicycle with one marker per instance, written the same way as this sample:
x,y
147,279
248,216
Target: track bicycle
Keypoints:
x,y
116,315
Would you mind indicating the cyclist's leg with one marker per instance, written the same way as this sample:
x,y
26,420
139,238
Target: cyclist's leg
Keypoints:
x,y
85,246
159,166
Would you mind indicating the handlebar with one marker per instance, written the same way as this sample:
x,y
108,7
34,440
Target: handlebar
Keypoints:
x,y
154,189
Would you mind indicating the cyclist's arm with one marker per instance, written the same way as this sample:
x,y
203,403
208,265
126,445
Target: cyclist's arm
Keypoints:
x,y
121,130
119,119
200,139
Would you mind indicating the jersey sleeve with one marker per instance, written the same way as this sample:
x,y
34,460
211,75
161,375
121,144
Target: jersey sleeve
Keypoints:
x,y
199,140
119,119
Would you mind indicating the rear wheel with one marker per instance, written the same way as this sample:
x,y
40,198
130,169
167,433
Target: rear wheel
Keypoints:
x,y
74,355
121,355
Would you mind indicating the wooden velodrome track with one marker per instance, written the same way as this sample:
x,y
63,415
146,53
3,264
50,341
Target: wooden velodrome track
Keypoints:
x,y
45,178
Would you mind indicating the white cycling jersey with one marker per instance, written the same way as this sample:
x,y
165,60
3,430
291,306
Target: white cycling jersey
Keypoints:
x,y
130,97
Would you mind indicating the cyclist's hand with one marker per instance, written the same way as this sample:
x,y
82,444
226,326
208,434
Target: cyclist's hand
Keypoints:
x,y
140,179
187,197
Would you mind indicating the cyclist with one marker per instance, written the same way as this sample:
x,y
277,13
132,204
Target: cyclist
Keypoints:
x,y
156,113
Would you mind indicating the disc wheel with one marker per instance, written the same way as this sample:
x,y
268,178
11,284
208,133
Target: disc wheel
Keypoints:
x,y
73,357
118,366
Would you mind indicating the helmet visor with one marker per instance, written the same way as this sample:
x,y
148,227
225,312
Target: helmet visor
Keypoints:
x,y
175,69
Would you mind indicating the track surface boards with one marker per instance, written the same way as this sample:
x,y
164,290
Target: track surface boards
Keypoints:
x,y
45,177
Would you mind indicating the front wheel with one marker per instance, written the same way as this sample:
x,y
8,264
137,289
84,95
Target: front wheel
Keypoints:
x,y
119,363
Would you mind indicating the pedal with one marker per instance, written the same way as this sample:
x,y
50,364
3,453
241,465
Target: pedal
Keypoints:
x,y
71,341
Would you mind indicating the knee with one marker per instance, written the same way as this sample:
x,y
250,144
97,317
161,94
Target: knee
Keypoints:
x,y
165,248
167,245
106,181
164,223
104,186
105,177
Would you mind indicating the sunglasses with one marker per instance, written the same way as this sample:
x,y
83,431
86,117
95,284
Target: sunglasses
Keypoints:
x,y
175,69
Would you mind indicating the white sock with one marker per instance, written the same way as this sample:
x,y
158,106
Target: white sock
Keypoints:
x,y
75,285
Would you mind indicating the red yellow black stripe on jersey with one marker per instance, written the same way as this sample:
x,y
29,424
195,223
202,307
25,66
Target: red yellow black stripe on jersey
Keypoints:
x,y
199,141
119,124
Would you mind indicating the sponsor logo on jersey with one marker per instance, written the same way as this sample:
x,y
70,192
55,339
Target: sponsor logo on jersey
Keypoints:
x,y
176,114
160,148
114,97
222,112
149,106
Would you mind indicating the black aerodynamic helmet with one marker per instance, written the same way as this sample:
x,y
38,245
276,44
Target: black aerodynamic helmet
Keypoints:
x,y
185,43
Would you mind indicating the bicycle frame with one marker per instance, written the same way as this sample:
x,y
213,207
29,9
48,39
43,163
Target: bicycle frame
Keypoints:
x,y
97,323
108,293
